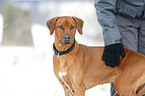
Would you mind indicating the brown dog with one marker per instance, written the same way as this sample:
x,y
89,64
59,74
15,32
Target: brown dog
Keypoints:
x,y
79,67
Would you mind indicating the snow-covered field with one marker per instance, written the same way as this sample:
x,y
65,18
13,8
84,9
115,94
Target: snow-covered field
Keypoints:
x,y
28,71
1,28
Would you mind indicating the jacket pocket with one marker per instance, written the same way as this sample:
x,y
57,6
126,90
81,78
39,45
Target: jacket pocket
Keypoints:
x,y
127,9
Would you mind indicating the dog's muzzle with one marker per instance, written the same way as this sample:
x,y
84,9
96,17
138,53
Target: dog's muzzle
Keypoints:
x,y
66,39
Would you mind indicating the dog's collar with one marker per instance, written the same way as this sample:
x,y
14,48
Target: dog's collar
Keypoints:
x,y
63,52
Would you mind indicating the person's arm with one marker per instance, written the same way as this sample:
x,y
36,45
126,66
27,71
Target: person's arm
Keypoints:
x,y
106,14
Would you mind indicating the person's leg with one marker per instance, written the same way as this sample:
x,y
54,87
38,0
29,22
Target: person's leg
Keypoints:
x,y
129,34
129,31
141,43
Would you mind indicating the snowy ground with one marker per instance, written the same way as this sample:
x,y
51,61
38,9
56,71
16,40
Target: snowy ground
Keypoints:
x,y
1,27
28,71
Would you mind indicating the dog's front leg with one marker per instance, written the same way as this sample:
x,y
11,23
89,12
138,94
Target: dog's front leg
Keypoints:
x,y
67,91
79,90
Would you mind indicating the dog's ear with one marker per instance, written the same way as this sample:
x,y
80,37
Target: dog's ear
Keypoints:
x,y
51,24
79,24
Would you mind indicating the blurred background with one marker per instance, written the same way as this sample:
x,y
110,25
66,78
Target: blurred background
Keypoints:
x,y
26,67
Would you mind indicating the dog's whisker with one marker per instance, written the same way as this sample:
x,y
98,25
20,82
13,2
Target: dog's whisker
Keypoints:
x,y
59,45
60,42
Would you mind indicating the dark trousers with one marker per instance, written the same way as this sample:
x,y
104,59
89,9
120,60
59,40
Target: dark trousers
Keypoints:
x,y
133,36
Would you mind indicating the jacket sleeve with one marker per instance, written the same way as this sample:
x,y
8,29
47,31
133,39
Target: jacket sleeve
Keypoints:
x,y
106,14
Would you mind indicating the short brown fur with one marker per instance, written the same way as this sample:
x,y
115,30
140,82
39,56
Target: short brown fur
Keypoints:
x,y
84,65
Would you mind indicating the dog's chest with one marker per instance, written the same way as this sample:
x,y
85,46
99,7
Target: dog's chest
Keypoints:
x,y
63,66
65,69
62,74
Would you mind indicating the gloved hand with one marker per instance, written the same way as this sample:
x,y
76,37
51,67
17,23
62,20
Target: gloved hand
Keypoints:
x,y
112,54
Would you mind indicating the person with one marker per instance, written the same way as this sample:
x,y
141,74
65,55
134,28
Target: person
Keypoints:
x,y
123,25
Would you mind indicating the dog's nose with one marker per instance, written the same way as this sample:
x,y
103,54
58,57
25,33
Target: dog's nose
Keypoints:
x,y
67,37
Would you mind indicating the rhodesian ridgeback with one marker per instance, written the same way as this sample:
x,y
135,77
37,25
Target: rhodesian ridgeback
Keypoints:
x,y
79,67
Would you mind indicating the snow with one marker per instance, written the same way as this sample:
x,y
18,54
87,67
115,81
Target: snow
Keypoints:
x,y
1,27
28,71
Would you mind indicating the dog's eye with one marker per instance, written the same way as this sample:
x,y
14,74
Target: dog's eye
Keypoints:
x,y
72,27
61,27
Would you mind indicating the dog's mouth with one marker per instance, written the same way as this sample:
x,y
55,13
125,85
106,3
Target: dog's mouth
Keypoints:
x,y
65,42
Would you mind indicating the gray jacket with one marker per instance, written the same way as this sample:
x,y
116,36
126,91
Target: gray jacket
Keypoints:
x,y
106,12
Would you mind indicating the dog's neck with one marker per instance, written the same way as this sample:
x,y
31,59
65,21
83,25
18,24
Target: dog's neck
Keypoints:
x,y
63,66
65,48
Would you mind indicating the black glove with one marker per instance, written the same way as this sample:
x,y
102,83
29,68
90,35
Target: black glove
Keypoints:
x,y
112,54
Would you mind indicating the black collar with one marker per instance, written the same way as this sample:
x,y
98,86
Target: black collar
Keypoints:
x,y
63,52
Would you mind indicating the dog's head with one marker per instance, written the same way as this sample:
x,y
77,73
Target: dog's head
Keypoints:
x,y
65,28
